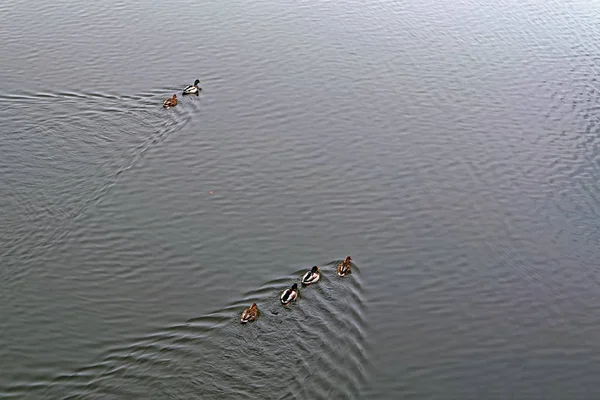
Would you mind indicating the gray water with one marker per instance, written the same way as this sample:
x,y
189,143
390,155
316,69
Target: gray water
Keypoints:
x,y
451,148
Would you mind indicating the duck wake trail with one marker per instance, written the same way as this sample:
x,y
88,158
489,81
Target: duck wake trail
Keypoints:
x,y
64,157
312,349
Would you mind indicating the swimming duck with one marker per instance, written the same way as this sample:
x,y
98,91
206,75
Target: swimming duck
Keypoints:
x,y
311,276
170,102
249,314
343,268
192,89
289,295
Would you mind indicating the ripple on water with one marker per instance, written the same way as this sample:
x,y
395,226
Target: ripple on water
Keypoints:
x,y
100,137
313,348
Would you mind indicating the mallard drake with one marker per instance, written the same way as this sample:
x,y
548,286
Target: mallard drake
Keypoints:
x,y
289,295
311,276
249,314
343,268
170,102
192,89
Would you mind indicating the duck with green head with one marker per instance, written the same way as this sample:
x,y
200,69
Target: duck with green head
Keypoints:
x,y
311,276
192,89
289,295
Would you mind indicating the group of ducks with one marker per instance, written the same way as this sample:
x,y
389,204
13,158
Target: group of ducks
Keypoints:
x,y
191,89
291,294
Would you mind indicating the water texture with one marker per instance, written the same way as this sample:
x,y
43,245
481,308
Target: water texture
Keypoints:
x,y
451,148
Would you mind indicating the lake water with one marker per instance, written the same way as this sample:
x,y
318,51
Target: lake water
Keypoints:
x,y
450,147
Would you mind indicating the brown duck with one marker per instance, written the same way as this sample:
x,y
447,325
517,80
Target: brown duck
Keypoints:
x,y
249,314
343,268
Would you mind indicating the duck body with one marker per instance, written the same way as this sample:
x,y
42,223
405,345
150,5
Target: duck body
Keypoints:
x,y
311,276
170,102
343,268
289,295
249,314
192,89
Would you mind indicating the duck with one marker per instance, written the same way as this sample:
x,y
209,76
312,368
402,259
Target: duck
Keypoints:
x,y
249,314
311,276
192,89
289,295
343,268
170,102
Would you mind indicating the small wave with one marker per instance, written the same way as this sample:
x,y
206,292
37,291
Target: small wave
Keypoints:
x,y
90,138
313,349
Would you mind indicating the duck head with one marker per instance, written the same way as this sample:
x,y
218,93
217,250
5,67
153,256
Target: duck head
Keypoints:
x,y
348,259
314,269
295,286
196,82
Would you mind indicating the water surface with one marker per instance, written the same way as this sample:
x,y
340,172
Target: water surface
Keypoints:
x,y
451,148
